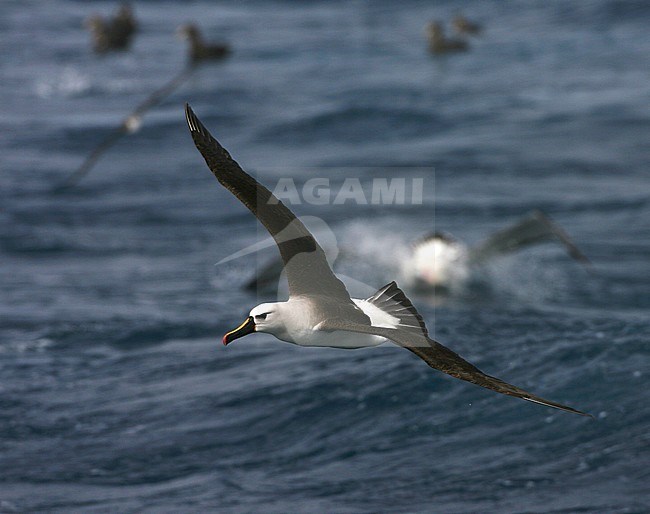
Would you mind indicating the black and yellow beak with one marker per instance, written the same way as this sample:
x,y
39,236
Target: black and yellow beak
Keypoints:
x,y
247,327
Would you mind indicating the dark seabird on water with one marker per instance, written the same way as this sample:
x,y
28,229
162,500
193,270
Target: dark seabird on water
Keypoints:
x,y
319,311
440,44
199,50
114,33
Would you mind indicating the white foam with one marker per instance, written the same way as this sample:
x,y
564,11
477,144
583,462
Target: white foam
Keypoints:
x,y
67,82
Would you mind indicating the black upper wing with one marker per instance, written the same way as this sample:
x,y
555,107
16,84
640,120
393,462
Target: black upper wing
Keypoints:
x,y
308,272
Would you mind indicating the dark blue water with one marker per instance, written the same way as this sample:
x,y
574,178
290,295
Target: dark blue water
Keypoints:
x,y
115,393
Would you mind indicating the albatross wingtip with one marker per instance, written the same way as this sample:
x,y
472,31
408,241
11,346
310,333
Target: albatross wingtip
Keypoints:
x,y
197,129
191,118
556,405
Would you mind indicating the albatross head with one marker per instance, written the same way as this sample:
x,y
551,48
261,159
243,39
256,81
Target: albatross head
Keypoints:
x,y
263,318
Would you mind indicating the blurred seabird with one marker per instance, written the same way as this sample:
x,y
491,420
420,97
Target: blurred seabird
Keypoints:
x,y
199,50
112,34
129,125
439,44
439,261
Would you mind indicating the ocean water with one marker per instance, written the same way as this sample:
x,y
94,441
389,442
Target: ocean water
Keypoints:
x,y
116,394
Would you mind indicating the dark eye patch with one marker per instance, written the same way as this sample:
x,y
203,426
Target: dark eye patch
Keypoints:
x,y
261,316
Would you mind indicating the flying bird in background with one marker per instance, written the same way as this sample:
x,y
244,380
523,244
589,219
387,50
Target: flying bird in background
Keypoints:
x,y
199,53
440,261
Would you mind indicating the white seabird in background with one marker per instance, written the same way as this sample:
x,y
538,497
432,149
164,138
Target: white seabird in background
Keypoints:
x,y
441,261
319,311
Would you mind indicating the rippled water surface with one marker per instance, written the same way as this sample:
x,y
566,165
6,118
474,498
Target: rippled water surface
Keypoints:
x,y
115,392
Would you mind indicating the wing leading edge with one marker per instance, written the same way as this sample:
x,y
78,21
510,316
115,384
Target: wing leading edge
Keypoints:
x,y
308,272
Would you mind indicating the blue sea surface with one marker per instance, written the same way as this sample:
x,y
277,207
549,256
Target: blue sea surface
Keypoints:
x,y
116,394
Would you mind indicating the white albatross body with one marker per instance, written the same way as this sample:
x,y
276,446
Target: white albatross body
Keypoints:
x,y
295,321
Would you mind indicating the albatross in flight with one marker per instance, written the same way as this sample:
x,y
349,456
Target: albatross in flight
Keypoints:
x,y
319,311
199,53
129,125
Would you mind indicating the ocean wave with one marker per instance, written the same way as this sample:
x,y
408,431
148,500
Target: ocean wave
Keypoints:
x,y
353,124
